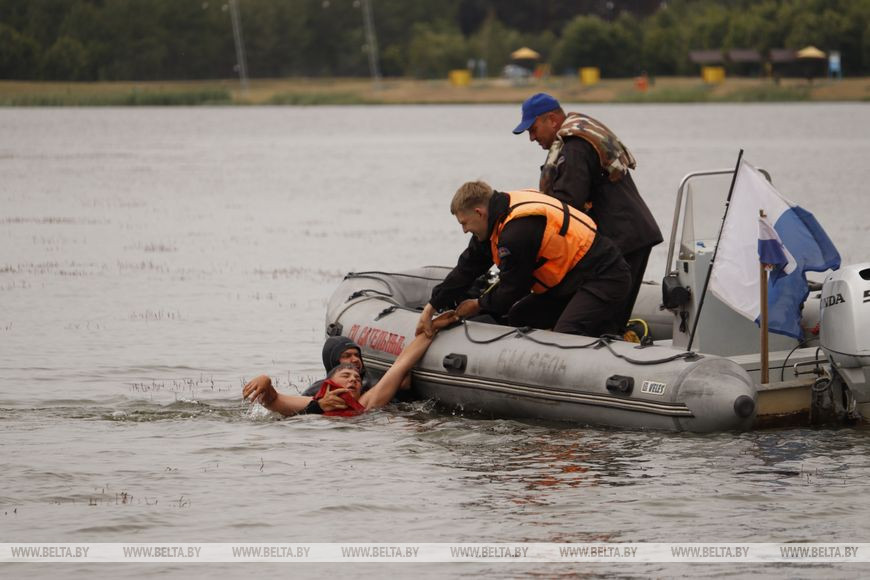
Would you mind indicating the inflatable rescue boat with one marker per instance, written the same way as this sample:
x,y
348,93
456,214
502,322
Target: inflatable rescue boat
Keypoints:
x,y
692,372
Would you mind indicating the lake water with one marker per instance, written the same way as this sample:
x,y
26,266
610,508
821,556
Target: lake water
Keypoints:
x,y
152,260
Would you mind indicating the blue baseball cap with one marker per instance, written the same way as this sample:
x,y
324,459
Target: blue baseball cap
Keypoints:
x,y
533,107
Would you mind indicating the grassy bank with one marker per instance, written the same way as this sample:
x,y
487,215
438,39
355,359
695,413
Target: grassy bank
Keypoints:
x,y
405,91
32,94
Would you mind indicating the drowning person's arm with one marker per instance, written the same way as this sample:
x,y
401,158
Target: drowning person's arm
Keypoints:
x,y
260,390
383,392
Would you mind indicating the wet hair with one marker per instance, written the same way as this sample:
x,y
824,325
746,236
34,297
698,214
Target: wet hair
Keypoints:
x,y
341,367
470,195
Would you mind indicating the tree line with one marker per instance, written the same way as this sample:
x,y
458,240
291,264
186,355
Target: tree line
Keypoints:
x,y
87,40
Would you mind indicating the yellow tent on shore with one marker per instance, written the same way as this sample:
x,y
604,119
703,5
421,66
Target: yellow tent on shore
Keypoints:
x,y
525,53
810,52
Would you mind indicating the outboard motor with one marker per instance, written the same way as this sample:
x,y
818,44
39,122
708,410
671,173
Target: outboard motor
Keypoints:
x,y
844,331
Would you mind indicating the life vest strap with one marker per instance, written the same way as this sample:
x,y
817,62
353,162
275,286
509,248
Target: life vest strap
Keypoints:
x,y
539,283
566,219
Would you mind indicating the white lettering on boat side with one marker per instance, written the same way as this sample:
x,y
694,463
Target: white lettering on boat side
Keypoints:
x,y
653,388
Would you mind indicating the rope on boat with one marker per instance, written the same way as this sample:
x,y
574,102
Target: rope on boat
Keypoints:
x,y
364,297
369,292
525,332
603,342
373,273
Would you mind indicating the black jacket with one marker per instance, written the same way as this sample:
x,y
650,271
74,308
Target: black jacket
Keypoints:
x,y
617,207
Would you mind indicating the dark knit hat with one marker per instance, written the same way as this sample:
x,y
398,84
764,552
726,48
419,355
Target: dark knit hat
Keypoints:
x,y
332,349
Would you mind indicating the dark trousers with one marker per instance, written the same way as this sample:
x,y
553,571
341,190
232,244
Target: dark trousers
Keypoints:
x,y
636,261
593,309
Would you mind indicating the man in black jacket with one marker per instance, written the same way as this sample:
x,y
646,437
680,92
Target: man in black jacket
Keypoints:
x,y
555,270
588,167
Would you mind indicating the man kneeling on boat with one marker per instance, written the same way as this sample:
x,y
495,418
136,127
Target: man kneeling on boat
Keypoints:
x,y
341,393
555,270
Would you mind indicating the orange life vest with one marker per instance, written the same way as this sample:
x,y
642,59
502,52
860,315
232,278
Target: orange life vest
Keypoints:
x,y
568,236
353,406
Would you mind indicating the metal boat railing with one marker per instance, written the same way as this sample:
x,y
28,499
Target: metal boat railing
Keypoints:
x,y
678,208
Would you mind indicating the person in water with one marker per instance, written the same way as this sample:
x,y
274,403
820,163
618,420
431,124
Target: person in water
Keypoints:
x,y
342,392
555,270
338,350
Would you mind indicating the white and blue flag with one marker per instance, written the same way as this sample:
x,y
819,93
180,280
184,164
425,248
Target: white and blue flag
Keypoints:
x,y
772,252
797,244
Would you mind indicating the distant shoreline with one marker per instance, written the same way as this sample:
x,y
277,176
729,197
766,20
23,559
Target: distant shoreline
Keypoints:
x,y
343,91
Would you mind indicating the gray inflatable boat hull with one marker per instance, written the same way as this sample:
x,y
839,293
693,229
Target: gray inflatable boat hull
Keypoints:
x,y
500,372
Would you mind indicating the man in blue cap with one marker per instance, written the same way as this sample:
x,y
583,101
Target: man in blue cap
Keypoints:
x,y
588,168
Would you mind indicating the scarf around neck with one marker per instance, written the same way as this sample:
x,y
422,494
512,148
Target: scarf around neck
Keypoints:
x,y
613,155
353,406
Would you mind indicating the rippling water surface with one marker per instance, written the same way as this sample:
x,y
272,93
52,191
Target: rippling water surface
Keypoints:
x,y
152,260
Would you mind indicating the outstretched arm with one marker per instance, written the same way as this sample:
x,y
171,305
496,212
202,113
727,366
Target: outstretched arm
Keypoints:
x,y
383,392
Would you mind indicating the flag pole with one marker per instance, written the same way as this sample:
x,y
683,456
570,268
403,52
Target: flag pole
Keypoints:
x,y
765,363
715,251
